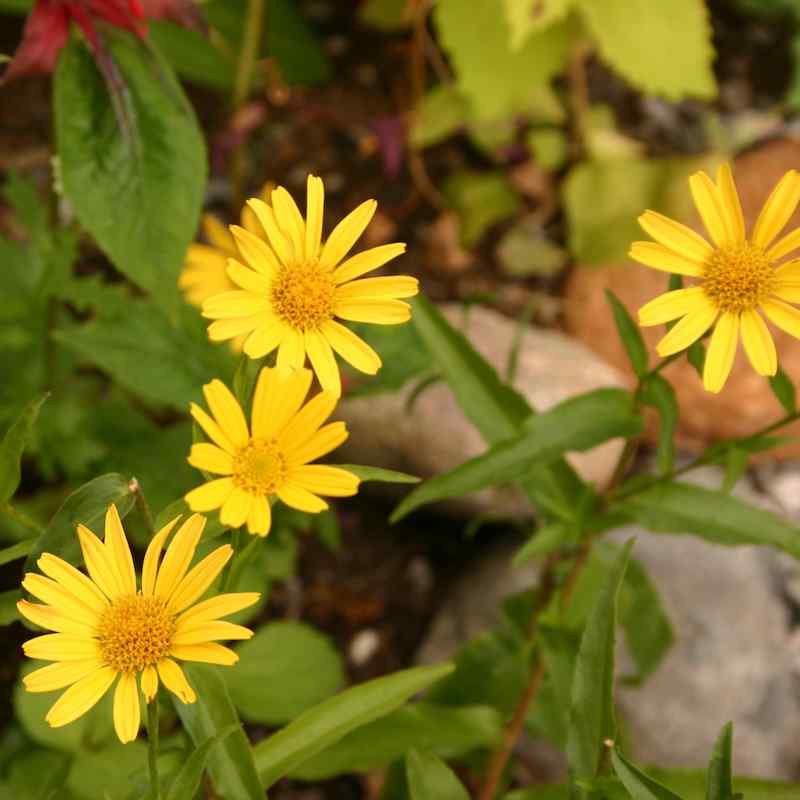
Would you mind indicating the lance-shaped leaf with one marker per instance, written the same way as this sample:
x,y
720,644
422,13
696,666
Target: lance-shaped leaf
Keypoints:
x,y
185,784
13,445
429,778
629,334
640,785
719,781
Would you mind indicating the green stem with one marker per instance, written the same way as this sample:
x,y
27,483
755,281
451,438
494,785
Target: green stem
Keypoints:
x,y
228,573
135,489
152,747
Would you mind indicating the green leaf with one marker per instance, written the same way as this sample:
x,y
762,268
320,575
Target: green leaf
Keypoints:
x,y
545,539
447,732
13,445
498,80
664,50
629,334
323,726
429,778
265,684
230,763
105,774
592,706
137,190
481,199
8,606
441,112
379,474
783,389
719,784
18,550
696,356
87,505
524,17
577,424
186,783
386,15
648,632
641,786
682,508
35,774
549,147
692,785
658,392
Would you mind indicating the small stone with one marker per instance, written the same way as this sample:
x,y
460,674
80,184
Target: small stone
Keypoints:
x,y
363,646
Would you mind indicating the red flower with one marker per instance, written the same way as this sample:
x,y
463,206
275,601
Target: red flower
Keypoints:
x,y
47,27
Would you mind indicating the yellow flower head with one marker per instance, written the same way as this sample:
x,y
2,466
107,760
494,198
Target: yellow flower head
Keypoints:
x,y
271,457
107,631
738,277
292,287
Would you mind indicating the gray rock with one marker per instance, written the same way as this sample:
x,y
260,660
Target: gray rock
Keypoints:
x,y
435,436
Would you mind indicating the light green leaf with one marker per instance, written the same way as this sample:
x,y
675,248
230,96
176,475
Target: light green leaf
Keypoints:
x,y
658,393
105,774
447,731
682,508
640,785
577,424
35,774
18,550
524,17
138,190
379,474
663,49
691,784
13,445
439,114
323,726
783,389
497,80
545,540
186,783
429,778
549,147
629,334
592,707
230,763
719,784
87,505
265,684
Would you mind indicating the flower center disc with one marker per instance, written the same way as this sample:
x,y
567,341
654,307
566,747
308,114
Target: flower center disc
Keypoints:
x,y
135,632
259,468
302,296
739,278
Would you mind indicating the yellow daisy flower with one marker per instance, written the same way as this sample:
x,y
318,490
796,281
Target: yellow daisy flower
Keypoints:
x,y
106,631
738,277
291,290
270,459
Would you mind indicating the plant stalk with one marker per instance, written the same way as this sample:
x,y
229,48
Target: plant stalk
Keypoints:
x,y
152,748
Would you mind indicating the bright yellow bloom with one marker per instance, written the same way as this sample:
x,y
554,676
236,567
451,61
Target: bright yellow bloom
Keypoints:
x,y
292,289
270,459
739,277
107,631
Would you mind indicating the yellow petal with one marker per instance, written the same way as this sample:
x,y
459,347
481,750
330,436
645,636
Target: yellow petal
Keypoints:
x,y
119,551
308,420
383,287
779,207
58,675
149,683
280,244
676,237
291,353
173,678
315,201
236,508
659,257
784,246
688,330
264,339
215,630
671,305
227,412
297,497
729,201
721,352
61,647
217,234
256,252
49,618
787,282
73,580
758,343
224,329
80,697
322,360
55,595
378,312
325,480
151,556
248,279
346,233
179,555
199,578
709,205
786,317
220,605
352,348
98,563
210,495
369,260
211,429
259,520
211,458
289,220
211,653
327,438
278,397
127,712
238,303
